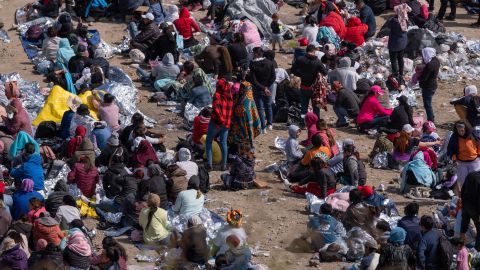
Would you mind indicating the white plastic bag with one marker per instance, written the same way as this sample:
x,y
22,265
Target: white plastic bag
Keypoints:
x,y
206,4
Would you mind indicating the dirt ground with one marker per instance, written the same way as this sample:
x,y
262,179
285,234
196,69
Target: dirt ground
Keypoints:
x,y
275,219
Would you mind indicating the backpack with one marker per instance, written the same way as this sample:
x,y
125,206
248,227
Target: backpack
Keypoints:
x,y
34,33
446,252
11,90
204,179
46,130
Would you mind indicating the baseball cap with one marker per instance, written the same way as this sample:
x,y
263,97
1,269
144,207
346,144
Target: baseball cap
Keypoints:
x,y
148,16
316,44
407,128
377,89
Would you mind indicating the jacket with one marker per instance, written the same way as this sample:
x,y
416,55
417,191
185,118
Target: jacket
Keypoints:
x,y
51,9
111,179
52,234
5,221
157,185
367,17
104,158
292,149
327,226
394,256
158,228
354,170
469,194
356,31
200,97
472,103
262,74
363,216
176,183
399,118
348,100
157,10
32,169
166,69
427,254
20,120
149,33
326,180
200,127
242,169
194,244
184,24
335,20
412,226
187,204
15,258
209,59
428,79
110,113
326,141
85,180
21,202
55,199
238,54
397,40
345,74
222,104
370,109
77,63
307,67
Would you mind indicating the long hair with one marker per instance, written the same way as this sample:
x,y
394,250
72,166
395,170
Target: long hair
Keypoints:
x,y
322,125
153,203
227,60
370,93
85,160
109,242
401,142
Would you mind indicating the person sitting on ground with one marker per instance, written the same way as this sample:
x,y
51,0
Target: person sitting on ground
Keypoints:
x,y
36,208
356,31
17,119
429,134
113,145
354,172
292,147
109,112
193,243
18,238
5,219
13,257
140,133
405,143
238,256
30,168
149,32
184,162
411,224
102,260
186,26
242,172
190,202
47,228
359,214
302,172
310,29
401,115
466,106
82,117
47,8
67,212
45,255
77,63
50,44
324,228
154,223
167,69
372,114
165,43
85,175
126,134
396,253
176,181
234,226
76,141
311,120
21,198
327,135
199,96
417,172
76,247
323,183
157,184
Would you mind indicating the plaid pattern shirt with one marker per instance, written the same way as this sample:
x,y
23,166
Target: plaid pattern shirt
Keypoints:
x,y
222,104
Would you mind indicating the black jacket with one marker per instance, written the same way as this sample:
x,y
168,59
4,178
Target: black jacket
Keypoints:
x,y
49,10
37,258
104,158
73,259
149,33
111,180
470,191
55,199
163,45
157,185
77,63
428,79
262,74
400,117
348,100
238,54
307,67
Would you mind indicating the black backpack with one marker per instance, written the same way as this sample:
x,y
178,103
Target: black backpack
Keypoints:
x,y
204,179
445,252
46,130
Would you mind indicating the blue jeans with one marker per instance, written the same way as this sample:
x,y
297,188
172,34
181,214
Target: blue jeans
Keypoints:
x,y
212,132
427,104
264,107
379,121
107,206
133,29
305,97
342,115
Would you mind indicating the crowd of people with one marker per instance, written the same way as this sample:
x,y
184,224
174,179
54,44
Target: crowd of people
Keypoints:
x,y
237,90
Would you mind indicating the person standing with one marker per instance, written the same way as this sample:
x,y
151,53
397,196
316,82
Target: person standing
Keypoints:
x,y
470,202
367,17
427,253
307,67
428,80
443,9
262,76
397,42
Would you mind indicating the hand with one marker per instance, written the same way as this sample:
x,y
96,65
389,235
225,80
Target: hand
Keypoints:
x,y
267,92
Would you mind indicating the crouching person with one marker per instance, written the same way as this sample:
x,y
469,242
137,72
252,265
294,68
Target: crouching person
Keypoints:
x,y
242,173
324,229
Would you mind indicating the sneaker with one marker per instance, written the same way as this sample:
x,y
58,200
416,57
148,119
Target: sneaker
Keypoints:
x,y
263,131
450,19
270,127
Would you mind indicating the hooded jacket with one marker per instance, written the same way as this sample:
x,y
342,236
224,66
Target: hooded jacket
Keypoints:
x,y
55,199
429,76
335,20
356,31
345,74
292,148
20,120
85,149
85,179
222,104
310,123
32,169
15,258
184,162
166,69
371,108
111,179
184,24
200,127
21,202
156,184
177,183
50,231
262,74
349,101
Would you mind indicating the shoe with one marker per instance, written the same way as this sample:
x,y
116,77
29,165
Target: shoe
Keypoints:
x,y
270,127
263,131
134,65
450,19
338,125
208,167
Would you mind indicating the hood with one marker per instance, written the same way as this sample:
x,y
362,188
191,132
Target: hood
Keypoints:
x,y
344,62
86,145
184,13
184,154
354,21
292,131
117,168
168,60
419,156
310,119
428,53
34,158
60,186
173,9
223,88
64,43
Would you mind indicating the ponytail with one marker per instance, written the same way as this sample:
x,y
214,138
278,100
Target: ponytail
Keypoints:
x,y
151,212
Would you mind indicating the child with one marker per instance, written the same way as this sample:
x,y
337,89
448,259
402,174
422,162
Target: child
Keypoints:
x,y
384,228
417,74
324,182
292,147
242,174
276,27
462,256
429,134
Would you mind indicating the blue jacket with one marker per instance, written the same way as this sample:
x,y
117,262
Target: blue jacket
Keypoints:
x,y
412,226
326,225
427,250
367,17
157,11
32,169
20,202
64,129
397,40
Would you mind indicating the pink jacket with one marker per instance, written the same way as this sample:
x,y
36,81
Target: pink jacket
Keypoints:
x,y
250,34
323,135
110,114
370,109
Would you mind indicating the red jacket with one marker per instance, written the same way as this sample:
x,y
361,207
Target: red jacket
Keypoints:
x,y
85,180
356,31
185,24
200,127
51,234
335,20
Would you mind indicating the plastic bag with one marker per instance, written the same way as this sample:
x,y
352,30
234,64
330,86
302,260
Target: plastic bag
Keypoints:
x,y
380,161
190,112
356,239
280,144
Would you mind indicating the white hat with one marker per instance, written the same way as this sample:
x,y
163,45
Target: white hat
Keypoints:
x,y
148,16
470,90
407,128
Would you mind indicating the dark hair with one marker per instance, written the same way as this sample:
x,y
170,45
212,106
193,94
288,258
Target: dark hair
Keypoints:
x,y
206,112
69,200
258,51
109,241
78,223
221,260
51,32
311,48
197,80
326,209
426,222
139,130
350,148
29,148
468,129
35,203
188,67
457,242
112,254
108,98
383,226
137,119
270,55
356,196
411,209
83,110
237,37
403,101
317,140
117,156
311,20
16,236
357,2
322,125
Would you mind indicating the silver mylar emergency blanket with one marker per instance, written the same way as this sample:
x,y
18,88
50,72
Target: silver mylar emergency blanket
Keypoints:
x,y
258,11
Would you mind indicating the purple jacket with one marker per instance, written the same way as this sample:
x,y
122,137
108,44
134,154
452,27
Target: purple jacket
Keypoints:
x,y
14,258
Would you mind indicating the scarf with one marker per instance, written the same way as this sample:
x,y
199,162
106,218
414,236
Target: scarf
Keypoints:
x,y
64,53
144,153
75,142
77,242
21,139
428,53
245,124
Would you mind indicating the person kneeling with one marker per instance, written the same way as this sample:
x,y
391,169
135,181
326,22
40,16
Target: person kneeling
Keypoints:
x,y
242,174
